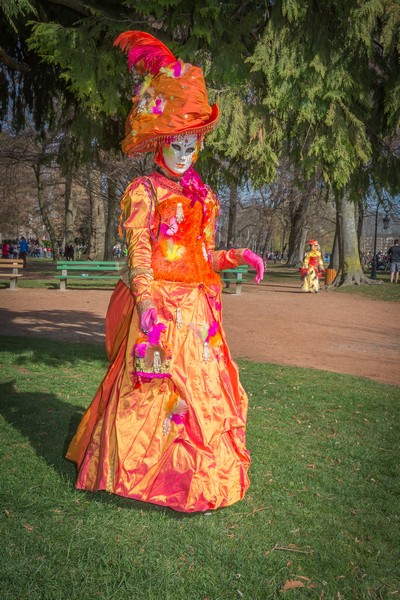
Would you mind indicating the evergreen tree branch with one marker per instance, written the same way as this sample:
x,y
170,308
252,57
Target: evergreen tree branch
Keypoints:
x,y
76,5
12,63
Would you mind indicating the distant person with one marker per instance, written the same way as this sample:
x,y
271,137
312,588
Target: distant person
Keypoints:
x,y
69,252
394,257
23,249
312,269
5,250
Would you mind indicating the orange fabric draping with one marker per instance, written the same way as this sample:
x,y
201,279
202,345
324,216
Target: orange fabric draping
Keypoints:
x,y
130,442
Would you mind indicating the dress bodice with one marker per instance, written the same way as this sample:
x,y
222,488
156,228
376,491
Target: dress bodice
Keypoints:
x,y
182,234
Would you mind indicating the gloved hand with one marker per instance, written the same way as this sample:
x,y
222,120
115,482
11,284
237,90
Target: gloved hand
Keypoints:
x,y
255,261
147,319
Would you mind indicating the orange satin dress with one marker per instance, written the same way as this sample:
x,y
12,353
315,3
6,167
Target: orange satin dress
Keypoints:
x,y
176,439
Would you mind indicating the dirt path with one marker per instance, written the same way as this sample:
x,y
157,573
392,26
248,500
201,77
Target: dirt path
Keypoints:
x,y
268,323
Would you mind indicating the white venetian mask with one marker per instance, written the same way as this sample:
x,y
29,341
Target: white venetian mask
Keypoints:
x,y
181,153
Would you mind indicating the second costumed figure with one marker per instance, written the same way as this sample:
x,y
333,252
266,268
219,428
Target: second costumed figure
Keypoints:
x,y
312,269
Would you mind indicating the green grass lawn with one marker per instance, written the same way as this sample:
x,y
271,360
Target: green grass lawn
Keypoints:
x,y
322,510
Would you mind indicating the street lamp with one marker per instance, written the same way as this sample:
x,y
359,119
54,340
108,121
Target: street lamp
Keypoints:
x,y
386,220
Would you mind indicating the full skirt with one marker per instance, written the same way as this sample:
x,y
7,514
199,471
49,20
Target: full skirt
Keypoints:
x,y
200,461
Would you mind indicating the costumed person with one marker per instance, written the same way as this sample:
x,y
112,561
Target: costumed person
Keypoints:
x,y
312,269
167,425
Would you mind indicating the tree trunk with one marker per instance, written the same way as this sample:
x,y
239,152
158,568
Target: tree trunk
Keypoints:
x,y
257,244
233,205
360,223
350,271
334,260
69,209
283,240
37,168
111,226
38,235
266,245
97,220
298,230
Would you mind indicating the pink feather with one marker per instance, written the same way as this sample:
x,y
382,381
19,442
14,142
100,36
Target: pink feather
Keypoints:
x,y
212,330
144,51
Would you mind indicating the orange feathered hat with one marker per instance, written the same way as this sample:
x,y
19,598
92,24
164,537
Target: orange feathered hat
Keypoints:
x,y
172,99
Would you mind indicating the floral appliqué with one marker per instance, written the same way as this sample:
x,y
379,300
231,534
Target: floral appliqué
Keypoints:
x,y
172,251
169,229
209,335
151,354
176,410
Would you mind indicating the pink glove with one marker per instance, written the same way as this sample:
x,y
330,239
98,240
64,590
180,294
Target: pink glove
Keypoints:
x,y
255,261
147,319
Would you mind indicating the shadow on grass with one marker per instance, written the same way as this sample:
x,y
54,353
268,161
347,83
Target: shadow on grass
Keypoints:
x,y
287,290
50,424
45,421
84,326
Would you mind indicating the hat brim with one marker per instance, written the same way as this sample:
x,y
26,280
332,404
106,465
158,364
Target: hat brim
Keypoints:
x,y
150,144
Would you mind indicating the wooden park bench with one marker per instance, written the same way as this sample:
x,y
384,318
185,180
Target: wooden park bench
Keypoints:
x,y
9,270
87,269
237,275
90,269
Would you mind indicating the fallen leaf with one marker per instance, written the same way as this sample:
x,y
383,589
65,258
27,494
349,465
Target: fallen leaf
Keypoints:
x,y
27,527
291,584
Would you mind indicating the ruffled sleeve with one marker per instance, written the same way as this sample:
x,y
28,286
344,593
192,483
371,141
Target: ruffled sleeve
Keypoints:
x,y
138,211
